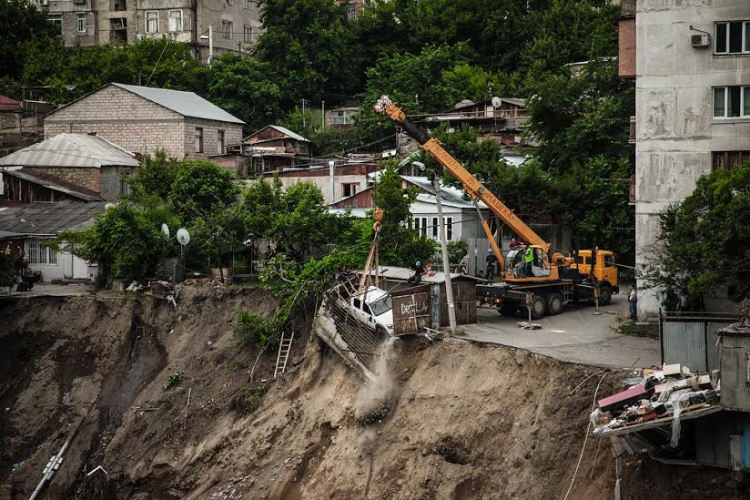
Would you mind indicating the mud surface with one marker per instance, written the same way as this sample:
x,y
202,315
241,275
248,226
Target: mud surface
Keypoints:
x,y
453,420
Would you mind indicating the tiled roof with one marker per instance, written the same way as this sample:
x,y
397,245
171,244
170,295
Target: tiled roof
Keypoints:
x,y
47,218
8,104
71,150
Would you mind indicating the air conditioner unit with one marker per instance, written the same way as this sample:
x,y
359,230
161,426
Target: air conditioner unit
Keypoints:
x,y
700,40
43,3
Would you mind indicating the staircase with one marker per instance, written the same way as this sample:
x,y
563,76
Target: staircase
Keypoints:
x,y
285,349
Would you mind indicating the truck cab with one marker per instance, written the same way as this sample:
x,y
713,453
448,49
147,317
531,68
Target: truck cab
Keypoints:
x,y
373,309
604,269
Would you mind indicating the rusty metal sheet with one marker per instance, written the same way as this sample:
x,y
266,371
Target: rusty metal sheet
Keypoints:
x,y
411,313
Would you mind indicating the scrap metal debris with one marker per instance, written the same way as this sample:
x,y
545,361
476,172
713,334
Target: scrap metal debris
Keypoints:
x,y
529,326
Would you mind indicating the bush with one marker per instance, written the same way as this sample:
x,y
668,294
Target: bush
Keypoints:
x,y
251,329
249,399
174,380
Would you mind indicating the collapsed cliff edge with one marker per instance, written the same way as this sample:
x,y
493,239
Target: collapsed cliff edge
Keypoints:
x,y
165,404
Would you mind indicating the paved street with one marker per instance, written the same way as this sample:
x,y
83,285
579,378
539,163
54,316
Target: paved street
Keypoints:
x,y
576,335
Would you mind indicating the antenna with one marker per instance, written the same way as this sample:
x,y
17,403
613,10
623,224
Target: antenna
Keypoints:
x,y
165,230
183,236
496,102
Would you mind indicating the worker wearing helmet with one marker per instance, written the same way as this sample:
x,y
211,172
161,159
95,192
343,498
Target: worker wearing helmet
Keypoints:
x,y
416,278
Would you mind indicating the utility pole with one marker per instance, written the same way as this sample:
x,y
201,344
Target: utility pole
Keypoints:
x,y
322,114
210,44
304,125
446,265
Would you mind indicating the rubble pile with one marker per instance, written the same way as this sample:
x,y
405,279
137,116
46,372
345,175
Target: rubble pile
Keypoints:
x,y
661,394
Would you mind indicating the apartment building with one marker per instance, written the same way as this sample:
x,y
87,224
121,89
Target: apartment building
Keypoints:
x,y
691,64
232,25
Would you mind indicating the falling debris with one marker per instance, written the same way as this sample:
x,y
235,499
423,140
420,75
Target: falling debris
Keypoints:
x,y
529,326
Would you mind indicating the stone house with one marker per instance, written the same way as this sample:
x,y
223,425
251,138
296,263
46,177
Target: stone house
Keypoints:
x,y
67,167
146,119
234,24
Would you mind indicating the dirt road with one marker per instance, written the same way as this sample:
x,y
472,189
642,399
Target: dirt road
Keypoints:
x,y
577,336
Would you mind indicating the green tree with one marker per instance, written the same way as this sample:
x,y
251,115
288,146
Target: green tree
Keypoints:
x,y
704,243
199,188
245,87
399,244
20,21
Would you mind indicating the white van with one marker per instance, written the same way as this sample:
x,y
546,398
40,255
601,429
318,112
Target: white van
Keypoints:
x,y
376,311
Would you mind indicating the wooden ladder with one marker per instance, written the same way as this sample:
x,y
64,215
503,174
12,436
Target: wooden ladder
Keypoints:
x,y
285,348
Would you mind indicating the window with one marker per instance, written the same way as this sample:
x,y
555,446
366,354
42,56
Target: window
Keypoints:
x,y
435,228
251,4
120,5
175,20
731,102
420,225
351,11
341,117
220,142
349,189
729,159
448,221
198,137
56,20
732,37
609,261
248,34
227,2
152,21
226,29
81,22
39,254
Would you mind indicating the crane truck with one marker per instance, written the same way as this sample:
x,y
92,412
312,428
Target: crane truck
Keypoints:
x,y
555,279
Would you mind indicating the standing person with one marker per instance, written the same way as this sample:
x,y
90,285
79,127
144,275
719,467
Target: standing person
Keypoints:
x,y
633,301
528,259
491,265
416,278
514,243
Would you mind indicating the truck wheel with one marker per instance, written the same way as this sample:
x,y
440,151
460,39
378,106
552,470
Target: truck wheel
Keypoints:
x,y
554,303
538,306
605,295
507,310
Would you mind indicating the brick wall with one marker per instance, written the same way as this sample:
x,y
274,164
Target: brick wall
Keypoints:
x,y
626,57
124,118
232,135
85,177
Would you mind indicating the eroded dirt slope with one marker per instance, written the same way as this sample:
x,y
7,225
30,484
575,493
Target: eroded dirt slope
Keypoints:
x,y
465,421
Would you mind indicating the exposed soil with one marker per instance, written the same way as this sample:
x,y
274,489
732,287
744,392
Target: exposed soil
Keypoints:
x,y
458,421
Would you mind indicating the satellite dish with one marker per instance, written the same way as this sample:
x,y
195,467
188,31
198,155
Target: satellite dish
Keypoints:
x,y
496,102
165,230
183,236
107,206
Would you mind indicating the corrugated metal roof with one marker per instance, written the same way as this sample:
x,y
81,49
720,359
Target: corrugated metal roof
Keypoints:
x,y
8,104
288,132
184,103
47,218
71,150
54,186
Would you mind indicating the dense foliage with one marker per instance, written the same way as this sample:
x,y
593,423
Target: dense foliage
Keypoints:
x,y
704,246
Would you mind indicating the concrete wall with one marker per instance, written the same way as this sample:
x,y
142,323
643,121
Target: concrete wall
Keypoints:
x,y
676,133
196,18
111,186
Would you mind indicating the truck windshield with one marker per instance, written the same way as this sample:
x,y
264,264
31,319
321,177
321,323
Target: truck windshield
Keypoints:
x,y
382,305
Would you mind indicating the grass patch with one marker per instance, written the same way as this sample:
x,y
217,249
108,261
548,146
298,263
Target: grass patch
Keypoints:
x,y
650,330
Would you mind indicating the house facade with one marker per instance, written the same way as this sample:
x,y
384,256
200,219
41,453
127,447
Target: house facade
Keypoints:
x,y
28,227
274,148
74,167
338,182
692,77
234,24
145,120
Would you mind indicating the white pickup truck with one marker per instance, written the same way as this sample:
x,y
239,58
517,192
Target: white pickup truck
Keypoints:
x,y
375,311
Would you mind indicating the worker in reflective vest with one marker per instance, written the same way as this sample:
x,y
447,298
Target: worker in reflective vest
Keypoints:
x,y
528,257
